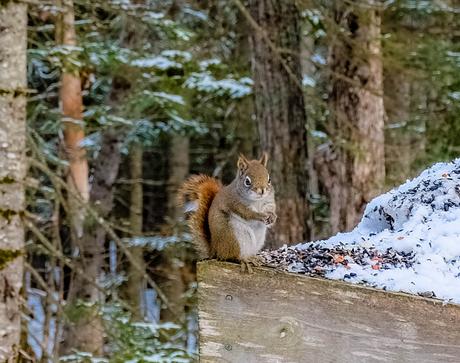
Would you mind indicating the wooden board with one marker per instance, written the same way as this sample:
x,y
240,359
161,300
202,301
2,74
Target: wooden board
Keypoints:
x,y
273,316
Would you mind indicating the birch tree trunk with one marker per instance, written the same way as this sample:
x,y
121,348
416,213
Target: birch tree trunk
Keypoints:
x,y
13,82
280,112
356,165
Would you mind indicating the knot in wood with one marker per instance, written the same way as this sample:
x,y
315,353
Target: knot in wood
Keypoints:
x,y
283,333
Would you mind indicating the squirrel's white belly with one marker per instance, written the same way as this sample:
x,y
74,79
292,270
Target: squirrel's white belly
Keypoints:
x,y
250,235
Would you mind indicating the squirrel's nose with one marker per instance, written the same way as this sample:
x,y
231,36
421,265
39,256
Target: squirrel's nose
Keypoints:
x,y
261,191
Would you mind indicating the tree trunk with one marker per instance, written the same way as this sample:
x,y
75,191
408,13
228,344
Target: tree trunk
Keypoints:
x,y
170,268
307,49
72,107
356,162
13,83
134,289
280,112
136,284
85,331
399,140
178,169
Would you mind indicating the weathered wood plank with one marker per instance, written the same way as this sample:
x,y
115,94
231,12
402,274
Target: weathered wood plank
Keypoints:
x,y
272,316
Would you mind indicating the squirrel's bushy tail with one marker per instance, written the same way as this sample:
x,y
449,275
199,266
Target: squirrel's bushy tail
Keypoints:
x,y
196,195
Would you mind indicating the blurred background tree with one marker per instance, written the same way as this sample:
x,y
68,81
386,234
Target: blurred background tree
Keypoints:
x,y
130,97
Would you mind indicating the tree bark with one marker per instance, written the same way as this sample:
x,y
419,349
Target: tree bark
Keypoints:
x,y
134,288
84,330
280,113
136,284
307,49
178,169
170,268
13,83
71,102
356,162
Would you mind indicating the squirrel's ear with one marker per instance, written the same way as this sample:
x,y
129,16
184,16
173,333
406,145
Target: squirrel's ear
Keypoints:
x,y
264,158
242,163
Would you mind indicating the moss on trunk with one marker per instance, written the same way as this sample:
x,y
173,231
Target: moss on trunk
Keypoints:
x,y
8,255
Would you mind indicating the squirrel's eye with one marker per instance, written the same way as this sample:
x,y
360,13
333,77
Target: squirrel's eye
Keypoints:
x,y
247,181
269,180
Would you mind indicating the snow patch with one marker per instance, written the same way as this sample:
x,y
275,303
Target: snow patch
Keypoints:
x,y
205,82
414,229
159,62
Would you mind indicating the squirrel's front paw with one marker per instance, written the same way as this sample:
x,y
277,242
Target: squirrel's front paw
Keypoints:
x,y
270,218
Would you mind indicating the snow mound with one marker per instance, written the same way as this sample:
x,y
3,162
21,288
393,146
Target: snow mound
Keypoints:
x,y
408,240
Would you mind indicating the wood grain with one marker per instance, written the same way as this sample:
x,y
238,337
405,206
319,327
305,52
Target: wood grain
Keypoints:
x,y
273,316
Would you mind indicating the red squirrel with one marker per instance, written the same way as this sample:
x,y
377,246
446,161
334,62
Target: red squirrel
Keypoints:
x,y
230,222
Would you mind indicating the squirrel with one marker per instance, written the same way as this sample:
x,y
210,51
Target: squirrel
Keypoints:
x,y
230,222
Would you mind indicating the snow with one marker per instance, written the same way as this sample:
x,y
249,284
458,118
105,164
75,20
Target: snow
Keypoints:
x,y
36,323
196,13
455,95
206,82
173,53
159,62
158,243
150,305
318,59
166,97
308,81
420,218
153,15
205,64
318,134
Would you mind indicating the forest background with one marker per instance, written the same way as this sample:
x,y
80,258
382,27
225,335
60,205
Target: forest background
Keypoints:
x,y
124,99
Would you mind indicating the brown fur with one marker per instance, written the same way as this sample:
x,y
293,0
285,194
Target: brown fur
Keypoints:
x,y
202,189
224,244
